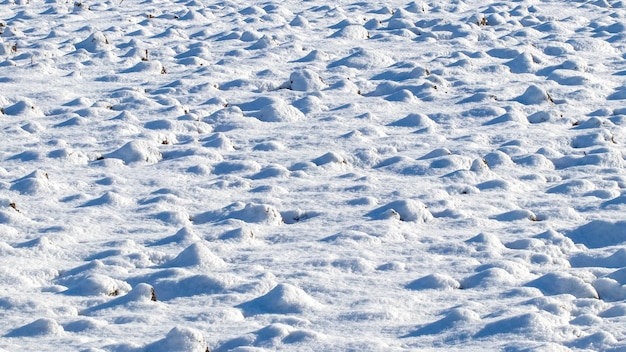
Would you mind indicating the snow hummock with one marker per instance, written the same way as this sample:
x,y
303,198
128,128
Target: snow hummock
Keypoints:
x,y
282,299
136,151
403,210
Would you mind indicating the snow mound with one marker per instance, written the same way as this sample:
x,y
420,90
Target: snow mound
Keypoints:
x,y
609,290
563,283
272,336
258,213
497,159
40,327
219,141
486,242
533,96
280,111
619,276
294,216
599,233
363,59
109,199
489,278
95,42
543,116
150,67
434,282
185,236
23,108
512,117
87,324
180,339
313,56
615,260
169,289
196,255
524,63
353,32
599,341
456,319
247,212
617,310
515,215
282,299
140,294
241,234
271,146
237,166
264,42
11,32
271,171
414,120
403,210
572,187
33,183
305,80
299,21
529,324
137,151
96,285
402,95
329,158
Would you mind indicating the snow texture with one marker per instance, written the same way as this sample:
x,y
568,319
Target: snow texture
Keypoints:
x,y
313,176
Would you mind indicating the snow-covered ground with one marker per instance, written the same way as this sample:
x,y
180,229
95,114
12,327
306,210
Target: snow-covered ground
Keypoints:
x,y
312,175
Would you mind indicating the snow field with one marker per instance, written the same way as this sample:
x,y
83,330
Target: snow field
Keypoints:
x,y
184,175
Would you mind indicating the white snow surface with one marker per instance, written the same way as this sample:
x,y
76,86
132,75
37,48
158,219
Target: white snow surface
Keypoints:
x,y
194,175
